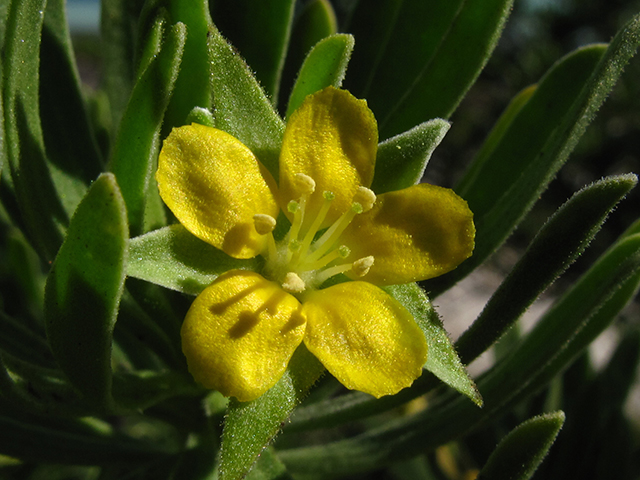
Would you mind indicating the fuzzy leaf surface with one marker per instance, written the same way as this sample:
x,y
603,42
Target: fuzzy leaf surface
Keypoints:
x,y
250,426
402,159
83,290
260,31
240,106
325,65
518,455
581,81
563,333
136,147
176,259
442,358
416,60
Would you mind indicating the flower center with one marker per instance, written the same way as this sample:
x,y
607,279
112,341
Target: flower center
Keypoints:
x,y
304,259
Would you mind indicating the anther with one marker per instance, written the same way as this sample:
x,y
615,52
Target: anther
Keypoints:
x,y
264,223
293,283
365,197
293,206
362,266
305,185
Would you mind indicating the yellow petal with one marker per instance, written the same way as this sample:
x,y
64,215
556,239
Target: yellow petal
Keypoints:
x,y
364,337
413,234
240,333
333,138
214,185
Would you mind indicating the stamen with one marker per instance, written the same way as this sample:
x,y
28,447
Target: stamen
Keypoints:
x,y
365,197
326,241
304,184
362,266
297,208
293,283
342,252
294,245
308,238
264,225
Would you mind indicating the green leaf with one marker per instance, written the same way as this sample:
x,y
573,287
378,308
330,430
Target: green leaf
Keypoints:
x,y
268,467
137,145
19,341
241,107
579,84
84,287
576,223
260,31
442,359
192,87
325,65
118,34
479,166
316,21
493,170
562,334
250,426
556,246
140,336
69,140
41,211
174,258
201,116
402,159
518,455
142,389
416,60
44,439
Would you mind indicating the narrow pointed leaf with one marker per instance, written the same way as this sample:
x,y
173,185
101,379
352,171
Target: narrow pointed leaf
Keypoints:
x,y
174,258
143,389
269,467
42,439
576,223
118,35
260,31
563,333
558,244
402,159
84,287
192,87
136,148
316,22
41,210
20,342
418,59
518,455
442,359
249,427
325,65
597,72
240,106
69,139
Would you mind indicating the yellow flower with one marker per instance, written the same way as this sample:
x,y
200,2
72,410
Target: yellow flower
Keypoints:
x,y
242,330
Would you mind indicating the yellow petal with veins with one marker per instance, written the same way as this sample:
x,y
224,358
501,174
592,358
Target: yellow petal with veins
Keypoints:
x,y
364,337
214,185
414,234
333,138
240,333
